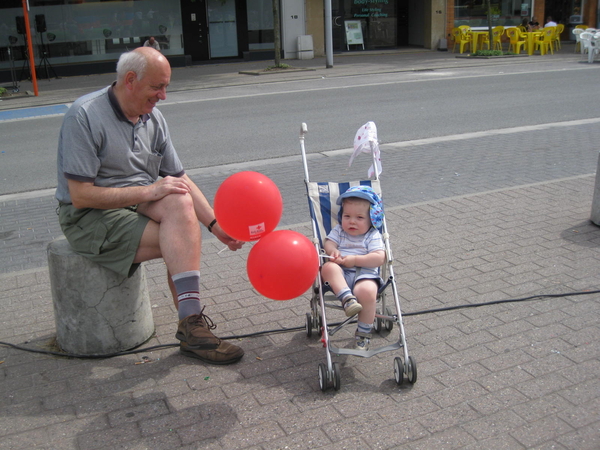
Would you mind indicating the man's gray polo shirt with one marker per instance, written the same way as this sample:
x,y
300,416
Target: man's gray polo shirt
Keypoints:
x,y
98,144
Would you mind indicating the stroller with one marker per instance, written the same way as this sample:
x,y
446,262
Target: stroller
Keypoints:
x,y
324,212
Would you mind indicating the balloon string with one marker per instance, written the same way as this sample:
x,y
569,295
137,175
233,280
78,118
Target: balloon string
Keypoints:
x,y
226,248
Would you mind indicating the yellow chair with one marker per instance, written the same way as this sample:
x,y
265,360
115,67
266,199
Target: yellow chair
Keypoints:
x,y
461,38
516,40
498,32
543,42
583,27
559,29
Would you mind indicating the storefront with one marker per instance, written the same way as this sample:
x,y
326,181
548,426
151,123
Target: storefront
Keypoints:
x,y
513,12
369,24
96,32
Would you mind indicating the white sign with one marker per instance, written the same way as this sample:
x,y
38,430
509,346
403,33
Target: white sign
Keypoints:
x,y
354,34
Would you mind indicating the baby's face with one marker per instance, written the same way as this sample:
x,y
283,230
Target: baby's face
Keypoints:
x,y
355,217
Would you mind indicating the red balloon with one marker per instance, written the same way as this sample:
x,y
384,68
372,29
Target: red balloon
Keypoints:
x,y
248,205
283,265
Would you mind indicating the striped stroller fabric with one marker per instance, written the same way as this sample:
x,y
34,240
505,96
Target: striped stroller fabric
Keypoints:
x,y
322,198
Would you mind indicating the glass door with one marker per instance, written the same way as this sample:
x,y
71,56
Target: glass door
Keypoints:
x,y
222,26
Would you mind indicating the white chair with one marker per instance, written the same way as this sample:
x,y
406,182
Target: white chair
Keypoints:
x,y
576,33
590,44
596,44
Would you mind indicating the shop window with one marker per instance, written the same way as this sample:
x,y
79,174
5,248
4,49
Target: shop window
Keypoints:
x,y
505,12
260,24
378,22
84,30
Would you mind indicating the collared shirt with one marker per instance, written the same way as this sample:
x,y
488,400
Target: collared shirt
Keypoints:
x,y
363,244
98,144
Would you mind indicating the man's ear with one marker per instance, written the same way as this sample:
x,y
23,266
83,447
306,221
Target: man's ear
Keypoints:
x,y
130,78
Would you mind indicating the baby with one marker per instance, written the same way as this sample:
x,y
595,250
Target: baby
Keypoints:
x,y
357,251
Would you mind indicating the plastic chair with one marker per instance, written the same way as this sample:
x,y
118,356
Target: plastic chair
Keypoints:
x,y
516,43
559,29
581,27
591,44
543,43
577,32
498,32
462,39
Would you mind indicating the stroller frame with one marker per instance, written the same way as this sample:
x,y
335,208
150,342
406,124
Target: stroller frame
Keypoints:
x,y
387,314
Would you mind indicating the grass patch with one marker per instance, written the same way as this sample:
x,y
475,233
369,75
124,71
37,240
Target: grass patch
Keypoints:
x,y
278,67
492,53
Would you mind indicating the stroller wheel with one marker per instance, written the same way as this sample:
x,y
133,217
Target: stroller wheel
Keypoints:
x,y
389,324
309,324
411,370
377,325
323,377
398,371
337,377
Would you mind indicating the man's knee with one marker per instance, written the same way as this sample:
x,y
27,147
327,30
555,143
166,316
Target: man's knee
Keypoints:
x,y
180,202
173,206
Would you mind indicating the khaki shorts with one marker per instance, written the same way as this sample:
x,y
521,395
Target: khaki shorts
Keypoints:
x,y
108,237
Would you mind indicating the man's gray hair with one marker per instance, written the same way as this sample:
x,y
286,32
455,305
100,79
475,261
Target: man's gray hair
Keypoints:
x,y
131,62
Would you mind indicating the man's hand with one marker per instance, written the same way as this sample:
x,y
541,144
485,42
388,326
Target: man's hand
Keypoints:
x,y
233,244
169,185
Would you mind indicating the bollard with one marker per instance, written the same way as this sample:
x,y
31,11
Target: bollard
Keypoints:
x,y
596,200
96,310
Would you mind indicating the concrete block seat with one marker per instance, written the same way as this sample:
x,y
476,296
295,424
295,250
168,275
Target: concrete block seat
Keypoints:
x,y
97,311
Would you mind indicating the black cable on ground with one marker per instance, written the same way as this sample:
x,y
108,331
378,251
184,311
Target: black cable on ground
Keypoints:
x,y
288,330
498,302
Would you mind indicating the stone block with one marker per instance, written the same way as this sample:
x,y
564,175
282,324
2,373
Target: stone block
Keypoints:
x,y
96,310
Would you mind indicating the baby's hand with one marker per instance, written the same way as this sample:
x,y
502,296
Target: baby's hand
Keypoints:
x,y
347,261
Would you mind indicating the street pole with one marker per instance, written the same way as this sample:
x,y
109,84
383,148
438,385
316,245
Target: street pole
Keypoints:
x,y
328,36
30,46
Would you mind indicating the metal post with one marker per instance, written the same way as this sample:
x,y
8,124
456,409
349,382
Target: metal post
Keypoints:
x,y
328,35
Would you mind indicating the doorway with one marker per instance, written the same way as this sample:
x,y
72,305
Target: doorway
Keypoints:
x,y
195,29
210,29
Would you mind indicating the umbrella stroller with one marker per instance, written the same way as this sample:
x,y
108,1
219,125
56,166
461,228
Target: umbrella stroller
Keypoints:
x,y
322,198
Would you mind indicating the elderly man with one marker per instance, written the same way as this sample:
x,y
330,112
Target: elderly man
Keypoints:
x,y
125,198
151,42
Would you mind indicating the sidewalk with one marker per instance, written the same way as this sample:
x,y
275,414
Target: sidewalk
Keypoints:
x,y
512,376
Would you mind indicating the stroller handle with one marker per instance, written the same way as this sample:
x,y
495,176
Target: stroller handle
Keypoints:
x,y
303,131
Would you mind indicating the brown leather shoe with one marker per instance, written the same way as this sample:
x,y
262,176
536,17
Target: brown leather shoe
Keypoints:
x,y
225,353
195,331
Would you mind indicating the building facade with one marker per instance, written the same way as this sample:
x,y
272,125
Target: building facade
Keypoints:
x,y
86,36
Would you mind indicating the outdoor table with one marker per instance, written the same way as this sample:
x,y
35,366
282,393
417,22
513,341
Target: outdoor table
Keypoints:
x,y
475,39
530,35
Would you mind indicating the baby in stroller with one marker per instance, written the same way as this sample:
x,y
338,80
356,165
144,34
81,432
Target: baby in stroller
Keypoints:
x,y
356,249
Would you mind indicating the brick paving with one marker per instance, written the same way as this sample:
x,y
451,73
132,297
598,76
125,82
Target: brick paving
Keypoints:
x,y
507,224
